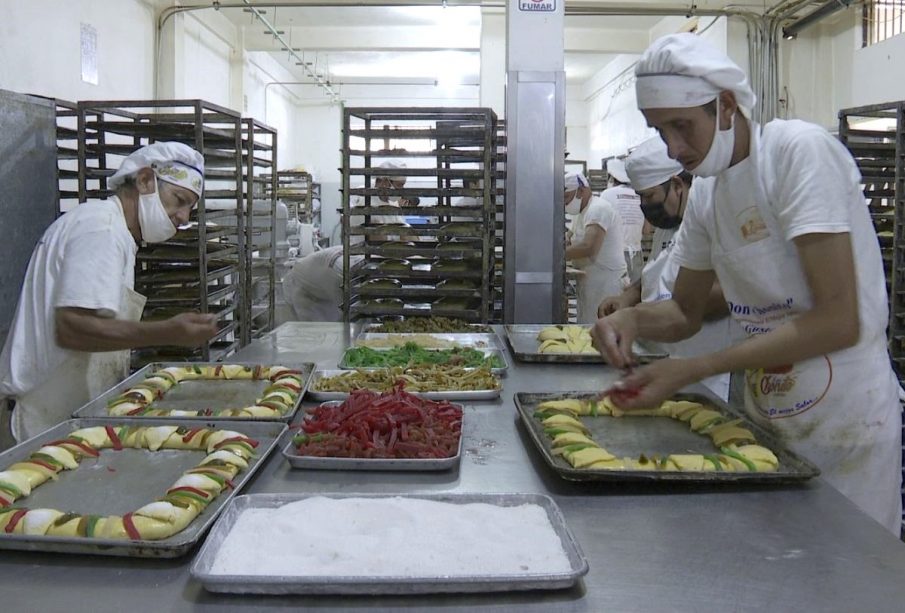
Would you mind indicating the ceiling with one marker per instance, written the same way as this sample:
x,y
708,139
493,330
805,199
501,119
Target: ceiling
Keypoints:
x,y
414,44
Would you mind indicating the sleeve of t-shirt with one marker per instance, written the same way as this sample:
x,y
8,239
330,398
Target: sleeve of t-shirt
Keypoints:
x,y
602,214
815,180
692,244
91,275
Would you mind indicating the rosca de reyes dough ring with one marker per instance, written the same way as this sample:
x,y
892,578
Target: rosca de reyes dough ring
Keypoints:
x,y
736,449
277,400
228,453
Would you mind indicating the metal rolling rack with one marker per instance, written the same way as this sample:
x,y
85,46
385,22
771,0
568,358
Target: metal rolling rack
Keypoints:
x,y
875,136
67,155
499,241
444,251
295,189
259,143
597,179
199,268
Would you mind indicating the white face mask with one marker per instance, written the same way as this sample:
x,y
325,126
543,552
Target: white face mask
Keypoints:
x,y
574,205
719,156
153,220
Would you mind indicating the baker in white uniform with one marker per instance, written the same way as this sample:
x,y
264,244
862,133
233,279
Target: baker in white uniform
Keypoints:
x,y
785,229
623,197
666,190
595,246
78,313
313,287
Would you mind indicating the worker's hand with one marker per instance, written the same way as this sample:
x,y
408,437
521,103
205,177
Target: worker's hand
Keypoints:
x,y
612,304
646,387
613,337
193,329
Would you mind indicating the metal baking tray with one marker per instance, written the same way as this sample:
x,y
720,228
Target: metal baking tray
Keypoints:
x,y
488,353
403,464
631,436
191,395
474,330
122,481
478,341
289,584
522,340
448,395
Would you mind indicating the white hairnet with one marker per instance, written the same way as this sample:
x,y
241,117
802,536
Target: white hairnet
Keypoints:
x,y
573,181
172,162
683,70
649,165
616,169
390,165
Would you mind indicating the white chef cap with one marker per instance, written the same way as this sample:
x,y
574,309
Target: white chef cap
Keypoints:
x,y
573,181
172,162
683,70
390,165
616,169
649,165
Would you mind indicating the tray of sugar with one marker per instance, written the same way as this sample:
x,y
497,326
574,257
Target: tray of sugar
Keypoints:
x,y
389,544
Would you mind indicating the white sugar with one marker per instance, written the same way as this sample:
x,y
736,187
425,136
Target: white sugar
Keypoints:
x,y
407,537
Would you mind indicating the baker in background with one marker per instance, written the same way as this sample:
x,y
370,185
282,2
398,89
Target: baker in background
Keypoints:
x,y
621,195
594,245
78,314
666,192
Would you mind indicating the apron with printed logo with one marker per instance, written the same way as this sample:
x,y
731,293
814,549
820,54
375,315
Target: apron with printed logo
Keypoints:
x,y
840,410
82,377
657,280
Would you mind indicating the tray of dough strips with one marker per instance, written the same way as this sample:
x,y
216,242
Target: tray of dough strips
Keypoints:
x,y
563,343
196,390
133,488
690,437
389,544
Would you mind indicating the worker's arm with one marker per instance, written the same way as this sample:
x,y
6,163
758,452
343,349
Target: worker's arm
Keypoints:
x,y
831,324
716,307
629,297
83,330
589,245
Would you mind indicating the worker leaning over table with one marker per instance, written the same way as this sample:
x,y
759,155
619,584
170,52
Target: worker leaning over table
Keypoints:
x,y
785,229
78,312
665,191
594,246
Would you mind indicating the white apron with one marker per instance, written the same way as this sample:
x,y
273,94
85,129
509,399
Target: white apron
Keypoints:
x,y
82,377
657,281
840,410
597,282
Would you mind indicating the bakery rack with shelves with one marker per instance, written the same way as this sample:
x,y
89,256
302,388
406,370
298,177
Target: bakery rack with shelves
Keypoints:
x,y
441,263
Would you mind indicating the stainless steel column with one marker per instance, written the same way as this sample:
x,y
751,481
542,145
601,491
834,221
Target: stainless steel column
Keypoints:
x,y
535,118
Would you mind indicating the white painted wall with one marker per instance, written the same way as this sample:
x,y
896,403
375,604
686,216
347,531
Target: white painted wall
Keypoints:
x,y
40,48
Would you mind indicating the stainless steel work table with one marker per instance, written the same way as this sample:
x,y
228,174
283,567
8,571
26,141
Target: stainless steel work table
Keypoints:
x,y
650,548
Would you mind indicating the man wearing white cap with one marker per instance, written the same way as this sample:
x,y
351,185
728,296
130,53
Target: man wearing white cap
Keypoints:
x,y
665,191
78,314
785,229
595,246
626,201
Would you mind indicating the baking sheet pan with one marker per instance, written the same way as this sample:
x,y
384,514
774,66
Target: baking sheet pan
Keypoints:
x,y
632,436
482,329
478,341
448,395
288,584
416,464
190,395
121,481
488,354
522,340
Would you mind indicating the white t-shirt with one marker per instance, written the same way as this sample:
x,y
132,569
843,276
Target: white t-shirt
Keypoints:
x,y
85,259
628,203
813,187
601,213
